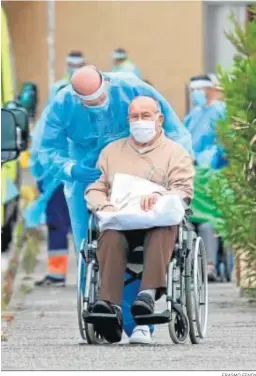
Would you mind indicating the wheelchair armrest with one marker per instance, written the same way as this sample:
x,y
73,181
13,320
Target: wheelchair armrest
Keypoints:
x,y
93,224
186,202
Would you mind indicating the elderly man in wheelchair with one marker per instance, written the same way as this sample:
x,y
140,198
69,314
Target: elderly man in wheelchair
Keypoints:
x,y
159,228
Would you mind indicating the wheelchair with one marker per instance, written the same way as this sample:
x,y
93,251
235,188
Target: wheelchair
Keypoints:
x,y
186,293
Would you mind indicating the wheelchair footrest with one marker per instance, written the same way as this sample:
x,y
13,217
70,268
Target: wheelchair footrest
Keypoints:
x,y
94,318
156,318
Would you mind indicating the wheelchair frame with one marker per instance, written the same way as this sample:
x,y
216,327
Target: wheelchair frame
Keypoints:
x,y
186,293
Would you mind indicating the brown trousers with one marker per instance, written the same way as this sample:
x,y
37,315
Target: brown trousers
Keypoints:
x,y
112,253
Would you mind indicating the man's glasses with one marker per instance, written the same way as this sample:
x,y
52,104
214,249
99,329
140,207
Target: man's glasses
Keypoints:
x,y
142,116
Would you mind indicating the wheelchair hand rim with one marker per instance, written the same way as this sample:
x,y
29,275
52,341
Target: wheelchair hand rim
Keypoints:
x,y
201,314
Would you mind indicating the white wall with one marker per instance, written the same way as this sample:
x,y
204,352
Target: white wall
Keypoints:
x,y
217,48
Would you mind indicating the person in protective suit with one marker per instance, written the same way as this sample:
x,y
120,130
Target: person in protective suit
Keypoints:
x,y
74,61
82,119
201,122
57,215
122,63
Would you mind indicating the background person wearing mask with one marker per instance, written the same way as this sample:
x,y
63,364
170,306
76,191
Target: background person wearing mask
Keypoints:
x,y
201,122
84,118
74,61
57,215
122,63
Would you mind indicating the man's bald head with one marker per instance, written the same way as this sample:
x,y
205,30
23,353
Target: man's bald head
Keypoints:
x,y
86,80
147,103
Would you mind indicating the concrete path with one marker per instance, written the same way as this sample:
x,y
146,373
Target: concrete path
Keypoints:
x,y
44,335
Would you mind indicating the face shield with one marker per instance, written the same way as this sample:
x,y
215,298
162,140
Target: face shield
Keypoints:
x,y
98,101
198,91
119,56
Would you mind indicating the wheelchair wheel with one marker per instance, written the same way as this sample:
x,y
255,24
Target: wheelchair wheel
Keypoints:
x,y
179,325
178,328
92,336
196,289
92,278
80,294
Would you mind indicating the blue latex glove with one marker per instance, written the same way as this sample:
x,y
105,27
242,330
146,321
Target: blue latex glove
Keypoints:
x,y
85,174
34,214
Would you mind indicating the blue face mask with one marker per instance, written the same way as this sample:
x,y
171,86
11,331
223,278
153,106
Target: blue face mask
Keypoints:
x,y
199,97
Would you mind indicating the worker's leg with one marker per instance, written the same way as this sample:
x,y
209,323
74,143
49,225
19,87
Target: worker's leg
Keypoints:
x,y
137,334
58,224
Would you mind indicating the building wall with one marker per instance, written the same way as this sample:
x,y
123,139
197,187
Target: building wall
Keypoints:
x,y
165,39
218,49
27,21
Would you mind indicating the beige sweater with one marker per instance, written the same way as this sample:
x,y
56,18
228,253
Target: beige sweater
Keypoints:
x,y
165,162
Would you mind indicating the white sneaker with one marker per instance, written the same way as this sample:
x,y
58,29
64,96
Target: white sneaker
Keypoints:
x,y
141,335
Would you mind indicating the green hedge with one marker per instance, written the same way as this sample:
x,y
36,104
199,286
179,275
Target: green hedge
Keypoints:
x,y
234,188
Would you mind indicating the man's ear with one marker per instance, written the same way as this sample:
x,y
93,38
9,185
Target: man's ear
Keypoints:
x,y
160,120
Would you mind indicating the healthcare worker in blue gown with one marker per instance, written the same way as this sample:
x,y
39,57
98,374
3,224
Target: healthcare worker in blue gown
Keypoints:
x,y
57,215
83,118
201,122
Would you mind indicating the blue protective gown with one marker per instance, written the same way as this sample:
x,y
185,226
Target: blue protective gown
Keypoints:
x,y
67,132
201,122
34,215
56,87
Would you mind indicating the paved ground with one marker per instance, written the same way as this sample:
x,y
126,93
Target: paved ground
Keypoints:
x,y
44,335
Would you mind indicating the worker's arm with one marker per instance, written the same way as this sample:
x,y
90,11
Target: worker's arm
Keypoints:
x,y
52,138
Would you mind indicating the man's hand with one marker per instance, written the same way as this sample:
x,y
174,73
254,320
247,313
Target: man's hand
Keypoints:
x,y
148,202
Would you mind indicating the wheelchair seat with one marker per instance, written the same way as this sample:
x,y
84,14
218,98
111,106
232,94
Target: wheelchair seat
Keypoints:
x,y
135,256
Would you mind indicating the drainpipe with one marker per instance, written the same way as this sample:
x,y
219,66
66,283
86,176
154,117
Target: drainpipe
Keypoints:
x,y
51,42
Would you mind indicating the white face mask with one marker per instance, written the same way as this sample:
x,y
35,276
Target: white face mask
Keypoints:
x,y
143,131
